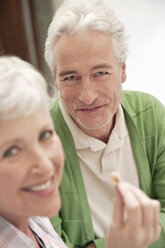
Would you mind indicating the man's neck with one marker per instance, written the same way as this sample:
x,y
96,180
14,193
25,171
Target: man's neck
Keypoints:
x,y
102,134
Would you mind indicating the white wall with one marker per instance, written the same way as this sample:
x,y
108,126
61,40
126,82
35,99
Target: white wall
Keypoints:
x,y
145,24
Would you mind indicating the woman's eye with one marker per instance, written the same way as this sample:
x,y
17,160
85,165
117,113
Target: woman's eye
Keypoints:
x,y
12,151
46,134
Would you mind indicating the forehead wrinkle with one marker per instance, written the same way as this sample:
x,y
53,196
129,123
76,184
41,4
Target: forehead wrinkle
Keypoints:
x,y
68,53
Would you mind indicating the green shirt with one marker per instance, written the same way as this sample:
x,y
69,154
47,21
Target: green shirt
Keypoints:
x,y
145,119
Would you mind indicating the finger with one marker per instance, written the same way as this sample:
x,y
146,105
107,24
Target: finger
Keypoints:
x,y
156,206
152,232
146,207
150,208
132,206
150,214
156,220
118,211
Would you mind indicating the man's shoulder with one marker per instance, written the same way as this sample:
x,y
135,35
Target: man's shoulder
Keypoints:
x,y
135,101
137,96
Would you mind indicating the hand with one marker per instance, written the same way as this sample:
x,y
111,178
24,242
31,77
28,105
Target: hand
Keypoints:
x,y
135,222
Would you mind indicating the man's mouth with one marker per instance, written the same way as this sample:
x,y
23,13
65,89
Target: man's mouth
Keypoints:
x,y
90,108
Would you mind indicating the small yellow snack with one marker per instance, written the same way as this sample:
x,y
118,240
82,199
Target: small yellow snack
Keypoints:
x,y
115,178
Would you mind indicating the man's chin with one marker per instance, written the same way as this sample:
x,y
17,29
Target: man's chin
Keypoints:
x,y
90,126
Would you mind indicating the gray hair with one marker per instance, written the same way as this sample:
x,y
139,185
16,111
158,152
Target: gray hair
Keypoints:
x,y
75,16
22,88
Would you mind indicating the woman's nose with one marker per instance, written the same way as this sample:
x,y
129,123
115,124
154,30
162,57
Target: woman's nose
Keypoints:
x,y
40,161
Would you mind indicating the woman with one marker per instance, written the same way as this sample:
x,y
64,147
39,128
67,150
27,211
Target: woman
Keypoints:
x,y
31,159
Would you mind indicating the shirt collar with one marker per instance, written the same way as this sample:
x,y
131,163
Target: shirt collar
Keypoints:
x,y
10,236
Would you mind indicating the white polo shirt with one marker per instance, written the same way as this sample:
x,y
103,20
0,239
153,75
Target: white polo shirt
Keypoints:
x,y
97,160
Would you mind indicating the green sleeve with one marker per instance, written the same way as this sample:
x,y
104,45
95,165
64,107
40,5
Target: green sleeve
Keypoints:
x,y
149,119
159,172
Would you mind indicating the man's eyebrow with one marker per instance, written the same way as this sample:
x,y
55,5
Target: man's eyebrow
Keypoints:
x,y
64,73
102,66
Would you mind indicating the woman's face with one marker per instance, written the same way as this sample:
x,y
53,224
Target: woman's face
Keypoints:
x,y
31,163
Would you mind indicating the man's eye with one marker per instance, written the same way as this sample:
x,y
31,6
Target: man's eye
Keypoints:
x,y
70,78
46,134
12,151
100,73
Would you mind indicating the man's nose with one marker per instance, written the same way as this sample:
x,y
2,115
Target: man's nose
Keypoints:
x,y
40,161
88,91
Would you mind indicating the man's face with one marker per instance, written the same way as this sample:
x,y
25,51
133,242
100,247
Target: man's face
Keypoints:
x,y
89,76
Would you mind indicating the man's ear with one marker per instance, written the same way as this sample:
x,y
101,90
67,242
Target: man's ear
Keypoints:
x,y
123,75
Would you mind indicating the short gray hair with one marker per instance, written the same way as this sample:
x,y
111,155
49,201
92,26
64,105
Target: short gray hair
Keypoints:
x,y
22,88
76,15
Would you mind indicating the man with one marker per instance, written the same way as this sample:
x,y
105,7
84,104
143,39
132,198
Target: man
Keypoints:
x,y
104,129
